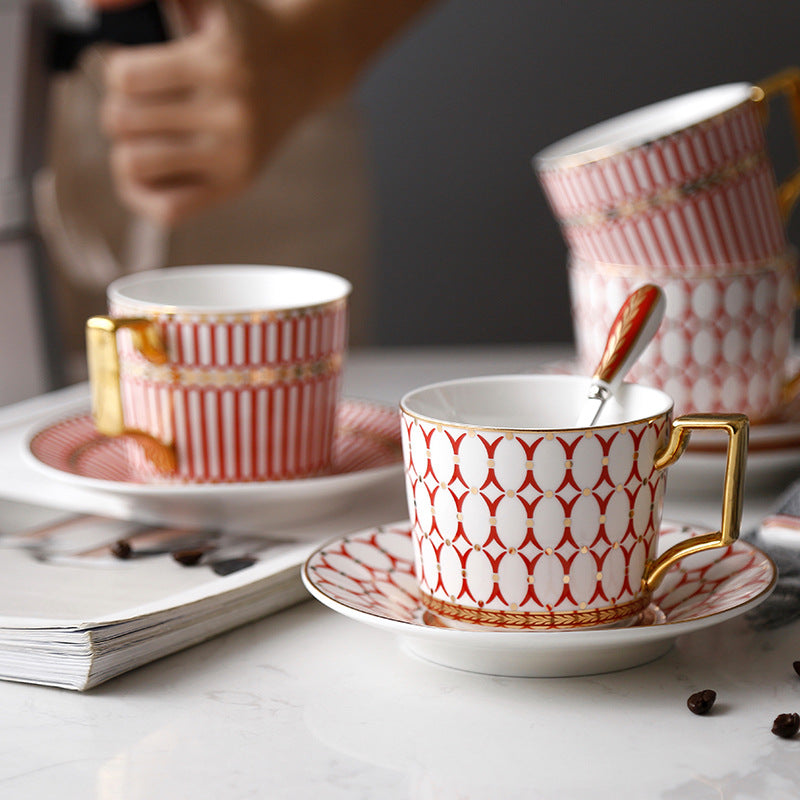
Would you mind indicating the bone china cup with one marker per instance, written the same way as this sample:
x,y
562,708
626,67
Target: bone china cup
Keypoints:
x,y
225,373
523,521
686,181
725,341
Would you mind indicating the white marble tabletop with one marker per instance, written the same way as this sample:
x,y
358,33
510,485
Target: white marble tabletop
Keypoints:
x,y
309,704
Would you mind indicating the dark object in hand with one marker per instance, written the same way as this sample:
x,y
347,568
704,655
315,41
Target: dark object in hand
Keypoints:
x,y
786,725
140,23
701,702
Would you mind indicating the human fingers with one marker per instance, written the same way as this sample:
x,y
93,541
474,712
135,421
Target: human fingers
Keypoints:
x,y
203,59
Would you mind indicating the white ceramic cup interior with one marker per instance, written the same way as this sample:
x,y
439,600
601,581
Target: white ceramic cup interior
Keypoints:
x,y
528,402
235,288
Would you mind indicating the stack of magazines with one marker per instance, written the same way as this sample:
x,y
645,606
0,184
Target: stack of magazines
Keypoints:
x,y
85,598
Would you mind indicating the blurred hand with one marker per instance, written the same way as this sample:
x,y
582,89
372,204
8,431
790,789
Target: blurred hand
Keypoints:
x,y
192,121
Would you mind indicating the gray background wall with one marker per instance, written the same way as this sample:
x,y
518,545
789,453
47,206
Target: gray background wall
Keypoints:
x,y
467,248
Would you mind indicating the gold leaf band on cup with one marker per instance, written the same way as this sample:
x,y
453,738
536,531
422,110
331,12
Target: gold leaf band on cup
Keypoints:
x,y
166,313
671,195
232,376
536,619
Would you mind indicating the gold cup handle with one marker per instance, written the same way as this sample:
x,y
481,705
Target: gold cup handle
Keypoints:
x,y
787,83
737,426
104,375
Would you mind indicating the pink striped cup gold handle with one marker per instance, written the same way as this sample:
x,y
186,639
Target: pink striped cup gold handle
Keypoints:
x,y
787,83
104,374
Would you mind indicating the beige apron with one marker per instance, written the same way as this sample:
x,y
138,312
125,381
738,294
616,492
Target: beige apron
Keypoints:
x,y
310,207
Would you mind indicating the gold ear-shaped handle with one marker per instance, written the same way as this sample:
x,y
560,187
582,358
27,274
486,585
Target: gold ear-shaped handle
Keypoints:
x,y
104,375
737,426
787,83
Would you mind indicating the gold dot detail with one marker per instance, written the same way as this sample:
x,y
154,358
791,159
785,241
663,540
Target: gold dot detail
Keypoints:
x,y
549,437
586,492
548,493
566,579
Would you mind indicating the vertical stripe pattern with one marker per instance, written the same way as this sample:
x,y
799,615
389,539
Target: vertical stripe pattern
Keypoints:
x,y
704,195
244,397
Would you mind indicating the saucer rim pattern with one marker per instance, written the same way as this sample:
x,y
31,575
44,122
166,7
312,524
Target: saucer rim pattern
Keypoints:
x,y
299,486
526,638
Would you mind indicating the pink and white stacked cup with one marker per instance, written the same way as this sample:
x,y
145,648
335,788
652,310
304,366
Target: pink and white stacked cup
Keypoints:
x,y
683,193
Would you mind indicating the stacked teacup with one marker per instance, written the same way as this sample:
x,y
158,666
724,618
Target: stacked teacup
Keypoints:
x,y
683,193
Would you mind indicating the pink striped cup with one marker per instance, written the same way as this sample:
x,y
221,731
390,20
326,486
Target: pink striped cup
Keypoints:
x,y
221,373
725,340
686,182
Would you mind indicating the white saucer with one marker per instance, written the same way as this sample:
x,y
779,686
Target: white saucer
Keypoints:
x,y
369,576
367,452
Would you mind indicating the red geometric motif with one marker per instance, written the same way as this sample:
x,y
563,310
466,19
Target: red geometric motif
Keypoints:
x,y
575,543
373,572
723,344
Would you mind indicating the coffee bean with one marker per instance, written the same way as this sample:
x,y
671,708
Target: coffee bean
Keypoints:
x,y
701,702
786,725
122,549
188,557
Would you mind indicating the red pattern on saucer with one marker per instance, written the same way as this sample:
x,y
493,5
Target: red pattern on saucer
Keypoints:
x,y
372,572
367,436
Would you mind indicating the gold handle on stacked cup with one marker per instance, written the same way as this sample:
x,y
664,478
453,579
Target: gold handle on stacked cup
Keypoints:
x,y
104,378
737,427
787,83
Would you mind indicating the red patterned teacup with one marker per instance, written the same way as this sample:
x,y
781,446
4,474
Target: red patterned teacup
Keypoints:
x,y
221,373
725,341
523,521
686,182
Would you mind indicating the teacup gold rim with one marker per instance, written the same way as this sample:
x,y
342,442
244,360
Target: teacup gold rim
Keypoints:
x,y
115,293
544,163
648,419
